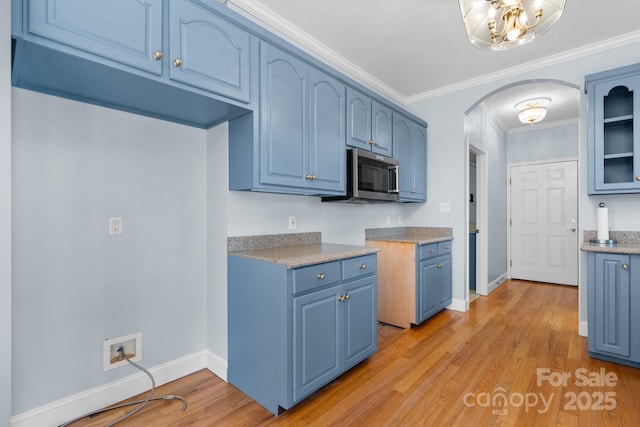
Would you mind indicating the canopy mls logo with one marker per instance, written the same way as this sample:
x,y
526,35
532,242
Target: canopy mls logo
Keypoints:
x,y
500,401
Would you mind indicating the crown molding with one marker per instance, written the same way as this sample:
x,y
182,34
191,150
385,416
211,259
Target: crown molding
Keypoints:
x,y
559,58
296,36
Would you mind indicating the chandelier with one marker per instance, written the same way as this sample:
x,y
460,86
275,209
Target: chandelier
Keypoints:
x,y
532,110
503,24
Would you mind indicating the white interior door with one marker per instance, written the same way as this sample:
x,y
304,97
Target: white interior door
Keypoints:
x,y
544,209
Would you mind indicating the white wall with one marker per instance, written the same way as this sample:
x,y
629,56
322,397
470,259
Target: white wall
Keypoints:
x,y
74,165
5,212
447,156
544,143
481,128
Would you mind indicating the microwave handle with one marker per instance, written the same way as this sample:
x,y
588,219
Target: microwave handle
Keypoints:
x,y
396,189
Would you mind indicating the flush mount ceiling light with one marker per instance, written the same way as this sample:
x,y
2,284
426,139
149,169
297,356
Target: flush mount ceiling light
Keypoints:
x,y
503,24
532,110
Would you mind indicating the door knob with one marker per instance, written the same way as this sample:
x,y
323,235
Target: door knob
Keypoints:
x,y
572,230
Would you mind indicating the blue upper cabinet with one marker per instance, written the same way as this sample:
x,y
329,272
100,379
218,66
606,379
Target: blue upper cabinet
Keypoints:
x,y
300,131
208,51
284,93
369,124
182,60
125,31
327,132
410,149
614,133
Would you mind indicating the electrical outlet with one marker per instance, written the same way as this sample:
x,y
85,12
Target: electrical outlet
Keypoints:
x,y
115,225
292,223
132,346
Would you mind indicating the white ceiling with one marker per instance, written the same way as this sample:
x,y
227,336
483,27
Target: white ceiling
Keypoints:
x,y
413,49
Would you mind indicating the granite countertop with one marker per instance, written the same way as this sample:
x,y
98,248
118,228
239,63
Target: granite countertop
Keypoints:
x,y
628,243
293,250
419,235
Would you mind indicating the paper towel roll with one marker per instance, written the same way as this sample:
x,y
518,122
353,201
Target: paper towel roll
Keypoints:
x,y
603,223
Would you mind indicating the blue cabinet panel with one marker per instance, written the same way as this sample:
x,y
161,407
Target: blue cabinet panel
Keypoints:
x,y
369,124
359,120
317,348
382,128
613,300
284,92
360,309
121,30
327,127
410,149
433,279
208,51
614,131
290,333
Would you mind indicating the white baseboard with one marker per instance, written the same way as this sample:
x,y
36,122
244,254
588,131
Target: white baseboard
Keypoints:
x,y
583,328
496,283
63,410
216,364
458,305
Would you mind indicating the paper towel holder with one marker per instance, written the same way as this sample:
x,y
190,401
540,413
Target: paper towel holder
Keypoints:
x,y
607,242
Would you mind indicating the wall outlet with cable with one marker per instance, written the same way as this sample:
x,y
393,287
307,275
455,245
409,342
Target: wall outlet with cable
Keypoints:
x,y
130,344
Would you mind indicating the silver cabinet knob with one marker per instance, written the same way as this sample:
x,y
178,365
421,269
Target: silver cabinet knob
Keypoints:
x,y
177,62
321,276
625,266
363,266
157,55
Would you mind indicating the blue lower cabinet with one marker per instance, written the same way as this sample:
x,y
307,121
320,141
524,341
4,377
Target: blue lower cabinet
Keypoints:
x,y
613,307
434,280
293,331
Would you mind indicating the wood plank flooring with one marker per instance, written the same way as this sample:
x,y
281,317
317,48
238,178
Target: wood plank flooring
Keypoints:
x,y
457,369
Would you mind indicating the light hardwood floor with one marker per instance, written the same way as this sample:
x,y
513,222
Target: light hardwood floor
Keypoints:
x,y
447,372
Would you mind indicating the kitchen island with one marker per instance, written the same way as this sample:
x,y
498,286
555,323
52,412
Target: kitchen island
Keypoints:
x,y
414,272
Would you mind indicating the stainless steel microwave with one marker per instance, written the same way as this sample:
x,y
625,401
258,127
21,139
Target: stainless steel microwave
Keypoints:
x,y
371,178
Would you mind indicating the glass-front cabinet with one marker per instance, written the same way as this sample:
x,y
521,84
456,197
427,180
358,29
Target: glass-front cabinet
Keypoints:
x,y
613,134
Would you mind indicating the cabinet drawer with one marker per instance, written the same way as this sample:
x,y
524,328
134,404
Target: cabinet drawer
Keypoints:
x,y
444,248
427,251
315,276
360,266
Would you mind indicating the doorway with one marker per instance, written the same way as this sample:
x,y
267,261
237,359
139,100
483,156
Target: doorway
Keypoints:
x,y
543,219
477,221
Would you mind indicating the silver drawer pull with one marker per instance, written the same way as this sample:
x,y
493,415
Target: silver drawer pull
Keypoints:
x,y
447,247
321,276
625,266
363,266
430,251
440,265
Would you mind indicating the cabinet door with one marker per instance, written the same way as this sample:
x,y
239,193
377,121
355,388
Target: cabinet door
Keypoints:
x,y
419,166
359,321
358,120
382,124
125,31
410,149
403,153
316,344
327,127
616,147
610,305
444,281
207,51
283,115
428,299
